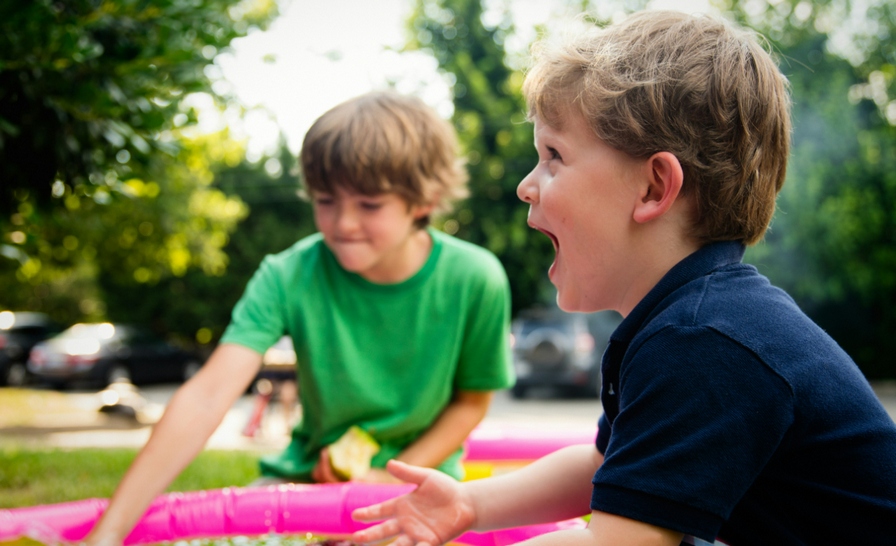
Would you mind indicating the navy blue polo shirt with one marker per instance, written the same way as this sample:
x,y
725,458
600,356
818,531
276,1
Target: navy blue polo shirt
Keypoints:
x,y
729,414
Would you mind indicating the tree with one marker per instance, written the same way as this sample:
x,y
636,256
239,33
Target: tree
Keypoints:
x,y
197,304
490,118
106,200
88,88
833,240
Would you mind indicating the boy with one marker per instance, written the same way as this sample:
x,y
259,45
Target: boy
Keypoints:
x,y
728,414
399,329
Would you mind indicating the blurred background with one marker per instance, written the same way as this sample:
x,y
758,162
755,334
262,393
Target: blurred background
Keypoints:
x,y
147,148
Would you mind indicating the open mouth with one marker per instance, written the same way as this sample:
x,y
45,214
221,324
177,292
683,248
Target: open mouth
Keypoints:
x,y
553,239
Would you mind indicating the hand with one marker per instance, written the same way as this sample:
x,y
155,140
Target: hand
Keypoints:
x,y
323,471
437,511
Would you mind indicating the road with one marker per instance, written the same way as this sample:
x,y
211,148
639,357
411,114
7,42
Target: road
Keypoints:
x,y
535,412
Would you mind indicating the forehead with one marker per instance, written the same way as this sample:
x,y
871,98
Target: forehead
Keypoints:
x,y
571,126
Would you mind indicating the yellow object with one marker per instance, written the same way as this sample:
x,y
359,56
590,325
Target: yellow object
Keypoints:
x,y
475,470
350,455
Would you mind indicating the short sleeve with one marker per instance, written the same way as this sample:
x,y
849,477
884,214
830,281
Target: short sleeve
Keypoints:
x,y
484,362
257,320
603,434
699,417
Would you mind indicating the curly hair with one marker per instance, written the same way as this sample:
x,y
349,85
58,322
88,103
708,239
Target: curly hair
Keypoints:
x,y
694,86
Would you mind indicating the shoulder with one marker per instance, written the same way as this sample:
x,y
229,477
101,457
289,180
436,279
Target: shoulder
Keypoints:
x,y
464,256
303,248
302,255
737,309
734,300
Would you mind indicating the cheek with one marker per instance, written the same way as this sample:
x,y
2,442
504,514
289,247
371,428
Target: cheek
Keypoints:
x,y
322,219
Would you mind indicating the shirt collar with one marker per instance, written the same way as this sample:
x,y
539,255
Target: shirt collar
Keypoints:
x,y
705,260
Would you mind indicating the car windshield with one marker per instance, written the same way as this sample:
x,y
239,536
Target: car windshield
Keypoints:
x,y
100,331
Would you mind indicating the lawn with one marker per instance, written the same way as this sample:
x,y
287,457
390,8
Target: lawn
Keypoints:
x,y
32,476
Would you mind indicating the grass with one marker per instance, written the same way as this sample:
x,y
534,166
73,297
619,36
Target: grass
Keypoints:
x,y
32,476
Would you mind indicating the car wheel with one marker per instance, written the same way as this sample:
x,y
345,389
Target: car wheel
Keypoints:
x,y
118,372
518,391
16,375
190,369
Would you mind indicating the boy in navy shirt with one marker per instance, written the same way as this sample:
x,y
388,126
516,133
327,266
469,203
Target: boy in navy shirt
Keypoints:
x,y
729,415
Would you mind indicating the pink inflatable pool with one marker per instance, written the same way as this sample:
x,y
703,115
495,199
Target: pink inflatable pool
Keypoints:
x,y
523,443
296,508
285,509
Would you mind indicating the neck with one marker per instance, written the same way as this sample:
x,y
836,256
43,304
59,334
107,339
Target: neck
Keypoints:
x,y
406,262
658,247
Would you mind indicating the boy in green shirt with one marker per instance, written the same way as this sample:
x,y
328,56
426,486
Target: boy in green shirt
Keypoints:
x,y
398,329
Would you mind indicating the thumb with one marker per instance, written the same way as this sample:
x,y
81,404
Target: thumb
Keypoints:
x,y
408,473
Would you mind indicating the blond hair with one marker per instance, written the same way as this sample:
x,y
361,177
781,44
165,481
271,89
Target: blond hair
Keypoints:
x,y
690,85
385,142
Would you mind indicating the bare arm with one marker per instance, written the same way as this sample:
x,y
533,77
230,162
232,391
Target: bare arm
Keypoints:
x,y
553,488
449,431
192,415
610,530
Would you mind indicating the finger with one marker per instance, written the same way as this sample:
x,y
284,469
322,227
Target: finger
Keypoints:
x,y
317,472
405,540
327,475
387,529
375,512
408,473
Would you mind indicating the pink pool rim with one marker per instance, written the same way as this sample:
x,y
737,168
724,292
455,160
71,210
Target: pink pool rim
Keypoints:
x,y
289,509
282,509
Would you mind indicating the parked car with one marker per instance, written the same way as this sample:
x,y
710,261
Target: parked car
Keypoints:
x,y
100,353
19,332
560,350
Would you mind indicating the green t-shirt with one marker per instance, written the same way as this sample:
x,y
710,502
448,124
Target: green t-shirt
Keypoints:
x,y
384,357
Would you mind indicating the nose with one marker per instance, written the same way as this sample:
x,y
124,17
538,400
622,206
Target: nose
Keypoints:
x,y
527,190
346,218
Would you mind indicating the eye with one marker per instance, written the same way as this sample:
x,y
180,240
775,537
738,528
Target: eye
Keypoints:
x,y
554,154
323,200
371,205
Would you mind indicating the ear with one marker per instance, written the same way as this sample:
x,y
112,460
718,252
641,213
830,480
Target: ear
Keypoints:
x,y
421,211
664,180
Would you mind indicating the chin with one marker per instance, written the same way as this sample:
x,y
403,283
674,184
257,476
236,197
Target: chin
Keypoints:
x,y
576,305
568,306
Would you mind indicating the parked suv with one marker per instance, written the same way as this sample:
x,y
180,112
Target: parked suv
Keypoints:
x,y
560,350
19,332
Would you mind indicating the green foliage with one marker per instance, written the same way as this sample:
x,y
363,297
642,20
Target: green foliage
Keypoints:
x,y
34,476
197,305
490,118
833,239
107,200
88,87
136,236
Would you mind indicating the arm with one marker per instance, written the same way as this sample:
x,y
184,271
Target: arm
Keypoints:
x,y
609,530
192,415
553,488
449,430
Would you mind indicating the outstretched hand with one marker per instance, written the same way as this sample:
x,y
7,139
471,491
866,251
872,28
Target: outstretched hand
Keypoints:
x,y
438,510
